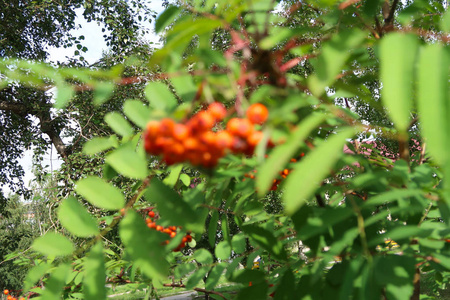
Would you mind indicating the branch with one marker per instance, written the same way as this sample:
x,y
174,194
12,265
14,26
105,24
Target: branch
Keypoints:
x,y
195,289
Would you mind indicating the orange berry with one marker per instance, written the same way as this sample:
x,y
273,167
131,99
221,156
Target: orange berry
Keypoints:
x,y
153,128
173,234
151,214
257,113
6,292
254,138
240,127
148,220
217,110
203,121
224,140
166,127
159,228
180,132
151,225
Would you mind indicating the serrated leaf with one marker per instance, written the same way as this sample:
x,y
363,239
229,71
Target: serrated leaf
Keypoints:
x,y
283,153
94,274
103,90
100,193
119,124
34,274
143,246
173,209
397,59
137,112
223,250
55,284
308,173
160,97
332,59
76,219
99,144
432,100
167,17
185,87
126,161
53,243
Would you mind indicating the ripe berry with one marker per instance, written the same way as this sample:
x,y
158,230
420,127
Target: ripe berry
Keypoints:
x,y
217,110
6,292
257,113
240,127
151,214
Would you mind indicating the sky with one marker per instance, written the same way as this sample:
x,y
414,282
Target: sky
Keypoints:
x,y
96,46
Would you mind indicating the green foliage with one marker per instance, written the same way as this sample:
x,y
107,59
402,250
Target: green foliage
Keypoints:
x,y
312,212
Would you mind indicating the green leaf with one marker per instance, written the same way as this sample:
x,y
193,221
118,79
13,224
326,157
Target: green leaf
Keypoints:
x,y
99,144
397,273
445,21
172,179
118,124
203,256
183,269
167,17
432,100
214,276
143,246
212,228
94,274
53,243
126,161
223,250
137,112
34,274
245,276
400,233
398,57
160,97
266,240
103,90
55,284
185,179
195,278
64,93
76,219
308,173
334,55
100,193
185,87
238,243
283,153
287,289
173,209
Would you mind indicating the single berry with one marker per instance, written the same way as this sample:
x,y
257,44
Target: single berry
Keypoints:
x,y
257,113
217,110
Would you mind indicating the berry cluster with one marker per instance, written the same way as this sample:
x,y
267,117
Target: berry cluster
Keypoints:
x,y
9,297
171,231
195,141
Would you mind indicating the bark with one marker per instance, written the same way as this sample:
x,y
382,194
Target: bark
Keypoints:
x,y
46,123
